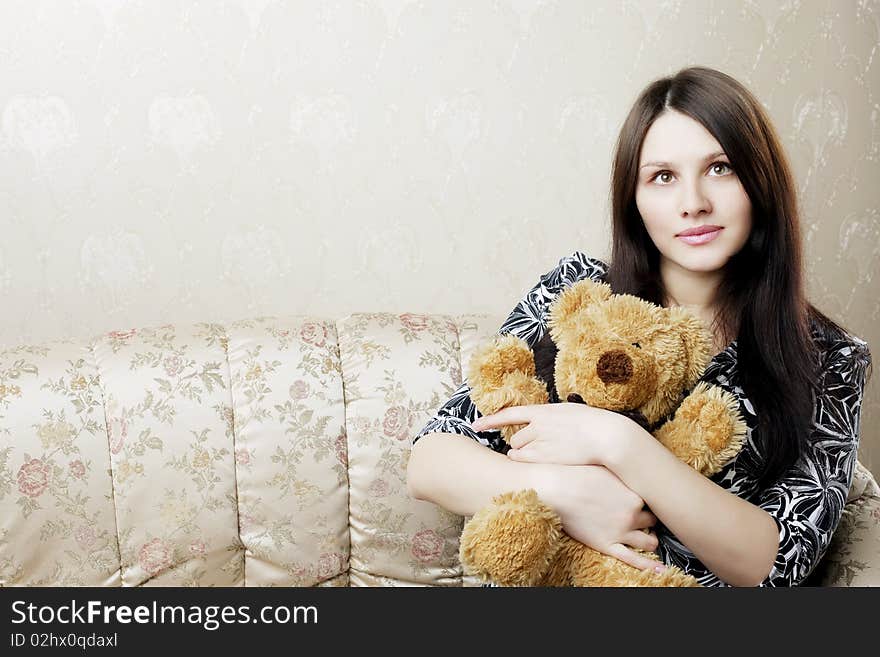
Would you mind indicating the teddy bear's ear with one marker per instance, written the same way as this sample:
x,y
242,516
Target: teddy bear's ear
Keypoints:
x,y
571,302
697,340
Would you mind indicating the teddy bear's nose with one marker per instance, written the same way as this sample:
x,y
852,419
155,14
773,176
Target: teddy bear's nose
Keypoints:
x,y
614,367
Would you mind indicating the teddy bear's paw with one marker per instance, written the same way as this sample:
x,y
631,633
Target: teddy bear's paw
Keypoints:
x,y
497,357
671,576
511,541
602,570
723,427
708,429
518,390
502,373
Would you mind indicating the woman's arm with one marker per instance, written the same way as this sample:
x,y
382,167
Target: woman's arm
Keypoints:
x,y
781,539
735,539
457,473
460,475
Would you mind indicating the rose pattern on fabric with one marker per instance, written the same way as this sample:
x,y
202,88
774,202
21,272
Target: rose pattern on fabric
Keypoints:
x,y
379,488
85,536
242,456
329,564
414,322
396,423
299,390
77,469
201,459
313,333
427,546
173,365
33,478
57,434
7,390
154,556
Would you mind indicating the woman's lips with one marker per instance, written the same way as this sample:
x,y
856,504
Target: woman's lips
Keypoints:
x,y
696,240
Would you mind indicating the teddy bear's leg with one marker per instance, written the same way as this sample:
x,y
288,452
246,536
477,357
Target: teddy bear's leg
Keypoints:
x,y
501,374
672,576
592,568
511,541
575,565
707,430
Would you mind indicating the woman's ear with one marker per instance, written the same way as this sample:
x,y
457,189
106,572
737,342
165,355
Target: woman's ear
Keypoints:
x,y
697,340
569,305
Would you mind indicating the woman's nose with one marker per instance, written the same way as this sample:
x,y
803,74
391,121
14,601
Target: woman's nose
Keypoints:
x,y
694,201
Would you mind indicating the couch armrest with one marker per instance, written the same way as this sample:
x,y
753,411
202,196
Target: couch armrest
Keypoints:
x,y
853,558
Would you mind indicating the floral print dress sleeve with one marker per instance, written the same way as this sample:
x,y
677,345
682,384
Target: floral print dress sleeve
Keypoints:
x,y
527,321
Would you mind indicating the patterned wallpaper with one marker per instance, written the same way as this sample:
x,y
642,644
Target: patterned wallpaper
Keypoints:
x,y
173,161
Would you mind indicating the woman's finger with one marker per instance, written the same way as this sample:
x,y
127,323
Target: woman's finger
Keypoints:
x,y
522,437
645,519
635,559
641,541
526,454
509,415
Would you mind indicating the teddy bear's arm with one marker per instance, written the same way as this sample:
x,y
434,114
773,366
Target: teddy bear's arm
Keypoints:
x,y
502,374
707,430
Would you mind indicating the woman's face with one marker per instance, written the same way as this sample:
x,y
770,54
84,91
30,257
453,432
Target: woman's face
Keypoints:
x,y
684,181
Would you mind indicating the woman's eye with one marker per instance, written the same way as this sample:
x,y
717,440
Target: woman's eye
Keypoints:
x,y
718,169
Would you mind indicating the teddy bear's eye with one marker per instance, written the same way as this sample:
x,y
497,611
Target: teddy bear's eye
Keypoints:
x,y
636,345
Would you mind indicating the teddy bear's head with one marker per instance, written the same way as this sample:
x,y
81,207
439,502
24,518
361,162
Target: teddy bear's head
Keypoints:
x,y
622,353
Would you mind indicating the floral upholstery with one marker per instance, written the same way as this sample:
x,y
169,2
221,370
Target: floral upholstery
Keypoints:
x,y
261,452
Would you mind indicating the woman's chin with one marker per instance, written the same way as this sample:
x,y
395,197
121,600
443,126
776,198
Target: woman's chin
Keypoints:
x,y
706,261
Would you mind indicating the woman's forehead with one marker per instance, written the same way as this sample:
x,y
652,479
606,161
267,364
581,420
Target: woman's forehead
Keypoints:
x,y
677,139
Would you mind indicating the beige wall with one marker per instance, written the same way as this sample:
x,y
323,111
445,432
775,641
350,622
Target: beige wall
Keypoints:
x,y
175,161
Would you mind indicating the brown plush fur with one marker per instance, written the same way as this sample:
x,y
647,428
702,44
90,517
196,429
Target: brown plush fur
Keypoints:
x,y
616,352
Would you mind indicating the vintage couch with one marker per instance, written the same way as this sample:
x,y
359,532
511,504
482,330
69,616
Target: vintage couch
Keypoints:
x,y
262,452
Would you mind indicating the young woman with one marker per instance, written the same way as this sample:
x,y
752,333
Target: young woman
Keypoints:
x,y
704,216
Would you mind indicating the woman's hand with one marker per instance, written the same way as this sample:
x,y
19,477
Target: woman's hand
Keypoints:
x,y
599,510
564,433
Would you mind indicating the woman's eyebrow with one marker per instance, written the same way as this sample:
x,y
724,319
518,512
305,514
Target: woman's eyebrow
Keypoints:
x,y
711,156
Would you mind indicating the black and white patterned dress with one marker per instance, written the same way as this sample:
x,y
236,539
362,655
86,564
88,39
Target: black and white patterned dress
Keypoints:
x,y
806,503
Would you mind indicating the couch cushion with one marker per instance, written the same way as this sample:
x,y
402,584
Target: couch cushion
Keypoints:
x,y
167,405
290,451
57,523
398,370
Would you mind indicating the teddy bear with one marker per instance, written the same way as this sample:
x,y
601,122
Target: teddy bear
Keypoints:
x,y
611,351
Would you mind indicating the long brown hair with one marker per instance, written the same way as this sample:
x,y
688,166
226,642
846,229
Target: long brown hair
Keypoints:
x,y
761,300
